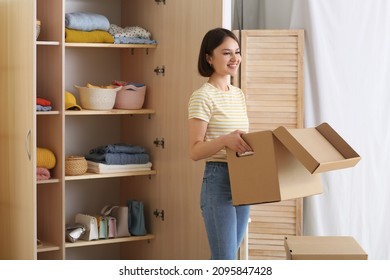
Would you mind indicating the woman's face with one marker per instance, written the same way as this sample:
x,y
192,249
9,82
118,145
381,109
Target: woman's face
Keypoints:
x,y
226,58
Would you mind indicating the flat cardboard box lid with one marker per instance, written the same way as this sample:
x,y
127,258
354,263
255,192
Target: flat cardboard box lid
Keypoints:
x,y
323,248
319,149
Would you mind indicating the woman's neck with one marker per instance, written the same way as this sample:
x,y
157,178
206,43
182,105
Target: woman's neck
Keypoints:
x,y
219,83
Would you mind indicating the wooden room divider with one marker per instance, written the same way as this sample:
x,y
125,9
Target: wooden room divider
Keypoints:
x,y
272,78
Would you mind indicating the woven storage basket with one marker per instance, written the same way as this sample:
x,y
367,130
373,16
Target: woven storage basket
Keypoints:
x,y
130,97
97,98
75,165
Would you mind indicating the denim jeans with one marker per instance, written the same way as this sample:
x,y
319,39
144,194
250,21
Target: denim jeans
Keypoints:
x,y
225,224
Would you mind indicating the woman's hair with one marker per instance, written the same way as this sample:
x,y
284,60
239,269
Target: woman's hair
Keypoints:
x,y
211,40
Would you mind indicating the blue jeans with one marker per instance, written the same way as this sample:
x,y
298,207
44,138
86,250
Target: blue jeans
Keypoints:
x,y
225,224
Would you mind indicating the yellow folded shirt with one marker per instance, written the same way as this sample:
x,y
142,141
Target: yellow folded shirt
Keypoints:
x,y
95,36
45,158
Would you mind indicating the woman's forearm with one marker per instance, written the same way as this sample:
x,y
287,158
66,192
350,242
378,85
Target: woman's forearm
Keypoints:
x,y
204,149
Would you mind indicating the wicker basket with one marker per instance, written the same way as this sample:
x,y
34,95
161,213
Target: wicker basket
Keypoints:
x,y
75,165
97,98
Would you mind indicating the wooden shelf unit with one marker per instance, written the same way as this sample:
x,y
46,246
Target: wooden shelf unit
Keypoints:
x,y
44,67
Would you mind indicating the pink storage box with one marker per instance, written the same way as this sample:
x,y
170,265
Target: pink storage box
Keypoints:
x,y
130,97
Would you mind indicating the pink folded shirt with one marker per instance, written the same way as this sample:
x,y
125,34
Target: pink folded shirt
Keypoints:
x,y
43,173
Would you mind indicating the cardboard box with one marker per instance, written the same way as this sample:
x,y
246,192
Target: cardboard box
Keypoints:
x,y
286,163
323,248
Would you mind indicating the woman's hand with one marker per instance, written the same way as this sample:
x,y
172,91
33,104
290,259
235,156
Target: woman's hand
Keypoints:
x,y
201,149
235,142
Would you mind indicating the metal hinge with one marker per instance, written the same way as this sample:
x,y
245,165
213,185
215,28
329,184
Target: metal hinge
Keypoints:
x,y
159,142
160,1
159,214
160,70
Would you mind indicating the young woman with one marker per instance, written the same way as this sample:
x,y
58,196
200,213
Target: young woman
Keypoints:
x,y
217,119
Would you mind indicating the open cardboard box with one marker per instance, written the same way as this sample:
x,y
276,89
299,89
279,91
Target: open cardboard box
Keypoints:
x,y
323,248
286,163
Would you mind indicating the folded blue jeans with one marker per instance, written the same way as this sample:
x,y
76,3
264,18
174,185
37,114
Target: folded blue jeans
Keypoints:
x,y
225,224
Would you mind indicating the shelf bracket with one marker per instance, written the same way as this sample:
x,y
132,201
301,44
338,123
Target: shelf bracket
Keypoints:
x,y
159,214
160,70
132,51
159,142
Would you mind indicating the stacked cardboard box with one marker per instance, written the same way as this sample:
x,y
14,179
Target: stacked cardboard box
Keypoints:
x,y
323,248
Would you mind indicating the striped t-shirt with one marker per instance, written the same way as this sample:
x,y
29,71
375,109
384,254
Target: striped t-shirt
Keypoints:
x,y
224,111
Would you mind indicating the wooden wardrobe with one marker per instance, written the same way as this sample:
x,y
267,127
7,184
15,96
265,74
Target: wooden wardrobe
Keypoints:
x,y
47,67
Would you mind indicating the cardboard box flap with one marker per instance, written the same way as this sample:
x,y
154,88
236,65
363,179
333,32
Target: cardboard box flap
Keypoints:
x,y
319,149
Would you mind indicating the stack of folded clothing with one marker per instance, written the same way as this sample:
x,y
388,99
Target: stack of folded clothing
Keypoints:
x,y
117,158
46,160
83,27
130,35
101,168
43,104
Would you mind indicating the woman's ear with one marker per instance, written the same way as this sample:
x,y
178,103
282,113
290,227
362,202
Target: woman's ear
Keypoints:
x,y
208,58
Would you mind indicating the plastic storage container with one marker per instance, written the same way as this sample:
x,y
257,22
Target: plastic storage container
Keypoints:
x,y
130,97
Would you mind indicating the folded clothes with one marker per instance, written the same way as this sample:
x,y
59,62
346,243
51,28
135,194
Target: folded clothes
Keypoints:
x,y
133,40
43,173
118,158
129,31
43,108
43,101
96,167
118,148
45,158
86,21
124,83
95,36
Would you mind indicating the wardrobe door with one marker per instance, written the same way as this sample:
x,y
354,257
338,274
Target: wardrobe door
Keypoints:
x,y
17,130
178,26
138,66
272,79
185,23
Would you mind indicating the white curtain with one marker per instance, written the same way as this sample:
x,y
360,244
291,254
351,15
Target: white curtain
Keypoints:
x,y
347,84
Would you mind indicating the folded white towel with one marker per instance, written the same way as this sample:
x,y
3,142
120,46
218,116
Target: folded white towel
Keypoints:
x,y
96,167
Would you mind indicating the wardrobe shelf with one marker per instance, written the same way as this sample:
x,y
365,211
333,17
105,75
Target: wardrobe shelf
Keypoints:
x,y
47,247
49,181
47,113
88,176
48,43
110,112
109,45
82,243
